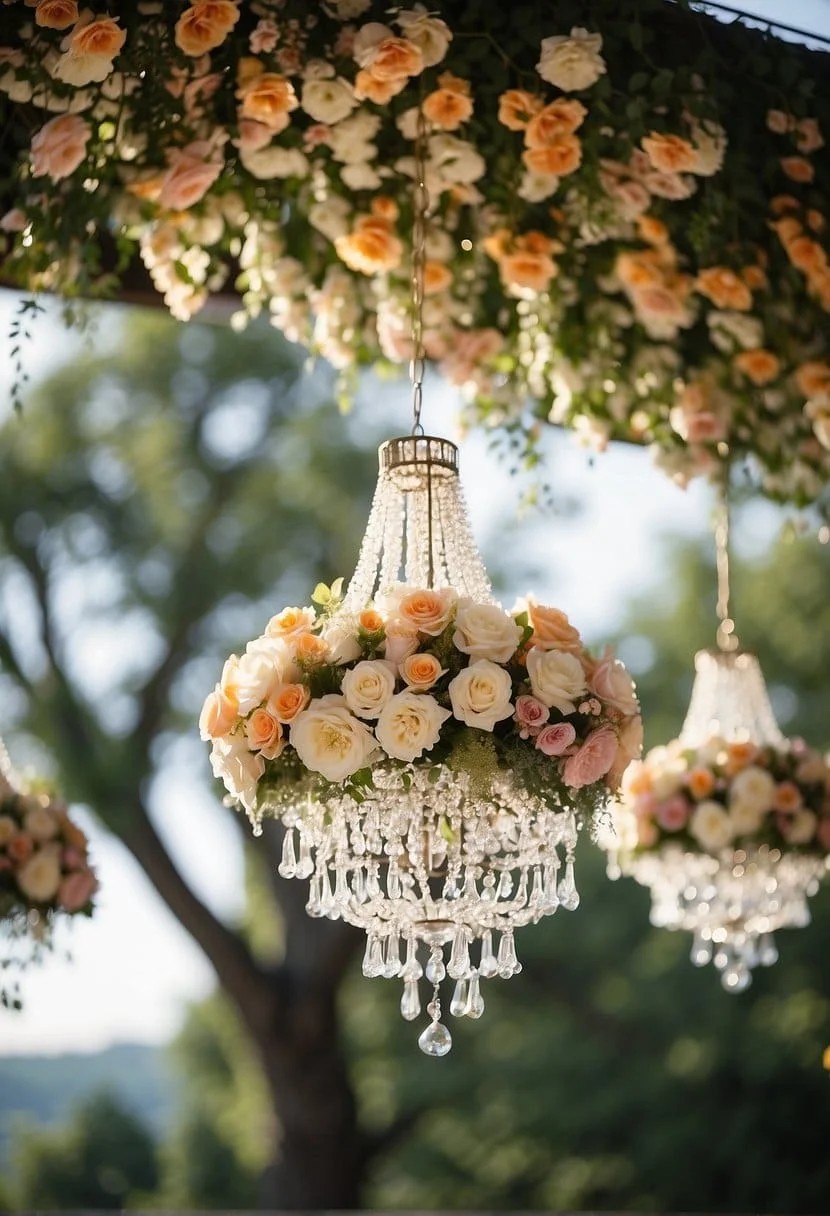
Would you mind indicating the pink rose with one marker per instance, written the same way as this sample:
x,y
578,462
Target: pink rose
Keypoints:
x,y
531,715
645,806
613,685
59,147
73,859
673,813
187,180
253,135
593,760
77,890
555,739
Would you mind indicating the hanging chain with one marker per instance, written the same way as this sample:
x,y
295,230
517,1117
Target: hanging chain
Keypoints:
x,y
726,637
421,208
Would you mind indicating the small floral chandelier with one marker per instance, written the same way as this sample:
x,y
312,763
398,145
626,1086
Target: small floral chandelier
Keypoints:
x,y
45,875
430,755
729,824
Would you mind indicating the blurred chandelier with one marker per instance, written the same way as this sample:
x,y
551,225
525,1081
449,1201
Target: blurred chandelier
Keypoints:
x,y
731,898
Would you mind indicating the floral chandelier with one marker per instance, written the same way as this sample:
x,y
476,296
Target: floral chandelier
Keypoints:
x,y
602,252
729,824
45,875
431,756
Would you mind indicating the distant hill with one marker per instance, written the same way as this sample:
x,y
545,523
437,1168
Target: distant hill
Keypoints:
x,y
42,1090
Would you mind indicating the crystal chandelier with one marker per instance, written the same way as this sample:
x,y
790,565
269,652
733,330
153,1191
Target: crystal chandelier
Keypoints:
x,y
439,849
726,824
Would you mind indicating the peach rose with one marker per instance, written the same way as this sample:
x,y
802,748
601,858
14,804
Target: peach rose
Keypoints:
x,y
205,25
392,59
701,782
371,247
370,620
59,147
76,890
551,629
219,713
56,14
816,220
437,277
813,378
427,611
724,288
528,271
780,203
289,622
102,37
450,105
739,756
421,671
808,136
787,797
561,156
669,153
797,168
760,365
269,99
561,117
264,734
806,254
652,230
309,648
593,759
188,179
778,122
288,700
754,277
20,847
368,88
517,107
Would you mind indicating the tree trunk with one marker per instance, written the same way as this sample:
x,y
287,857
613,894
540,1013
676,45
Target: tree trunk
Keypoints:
x,y
321,1154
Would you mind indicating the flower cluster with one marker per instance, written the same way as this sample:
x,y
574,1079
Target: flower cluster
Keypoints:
x,y
44,872
634,249
725,795
414,679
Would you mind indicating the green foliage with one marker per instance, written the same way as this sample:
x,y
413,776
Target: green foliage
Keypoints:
x,y
104,1158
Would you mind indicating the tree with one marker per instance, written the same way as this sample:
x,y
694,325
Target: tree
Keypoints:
x,y
156,505
104,1158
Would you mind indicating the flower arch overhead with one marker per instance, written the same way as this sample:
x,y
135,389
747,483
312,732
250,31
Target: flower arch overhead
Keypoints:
x,y
629,224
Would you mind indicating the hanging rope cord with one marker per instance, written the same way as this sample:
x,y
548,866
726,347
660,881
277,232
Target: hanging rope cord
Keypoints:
x,y
726,637
419,217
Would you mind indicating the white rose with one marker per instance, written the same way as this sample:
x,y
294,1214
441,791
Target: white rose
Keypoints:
x,y
456,160
41,823
556,678
572,63
341,639
480,695
711,826
82,69
410,724
485,631
710,147
328,101
802,828
728,328
251,679
753,788
40,876
331,217
268,163
746,820
329,740
239,768
359,176
430,34
368,687
535,187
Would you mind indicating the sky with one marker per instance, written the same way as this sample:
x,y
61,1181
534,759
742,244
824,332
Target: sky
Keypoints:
x,y
132,969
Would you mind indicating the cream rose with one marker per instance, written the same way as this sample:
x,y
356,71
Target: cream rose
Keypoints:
x,y
263,666
368,686
556,678
480,695
410,724
400,642
572,63
746,820
341,638
430,34
239,768
328,101
711,826
421,671
485,631
612,684
329,740
802,827
41,823
753,788
40,876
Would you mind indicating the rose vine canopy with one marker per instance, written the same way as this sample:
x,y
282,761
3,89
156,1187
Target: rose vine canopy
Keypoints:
x,y
628,230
